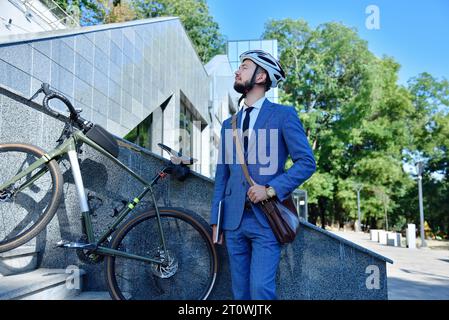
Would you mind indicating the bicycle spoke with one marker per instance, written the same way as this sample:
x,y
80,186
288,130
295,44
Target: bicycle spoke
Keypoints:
x,y
189,271
26,202
122,277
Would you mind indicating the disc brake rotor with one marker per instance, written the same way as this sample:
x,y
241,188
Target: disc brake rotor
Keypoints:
x,y
166,269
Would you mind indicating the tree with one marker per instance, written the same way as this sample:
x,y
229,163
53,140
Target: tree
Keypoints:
x,y
87,12
354,114
121,11
429,125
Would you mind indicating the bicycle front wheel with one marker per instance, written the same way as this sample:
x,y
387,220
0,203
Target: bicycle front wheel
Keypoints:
x,y
191,267
29,204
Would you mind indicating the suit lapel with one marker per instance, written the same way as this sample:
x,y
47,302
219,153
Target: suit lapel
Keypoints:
x,y
239,119
239,124
264,114
239,130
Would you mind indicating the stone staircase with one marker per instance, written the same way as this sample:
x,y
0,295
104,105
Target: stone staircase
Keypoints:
x,y
19,260
92,295
21,279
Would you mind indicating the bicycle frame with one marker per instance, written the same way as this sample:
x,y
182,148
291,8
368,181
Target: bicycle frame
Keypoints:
x,y
69,147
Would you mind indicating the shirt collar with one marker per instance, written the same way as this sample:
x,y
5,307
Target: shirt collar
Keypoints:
x,y
258,104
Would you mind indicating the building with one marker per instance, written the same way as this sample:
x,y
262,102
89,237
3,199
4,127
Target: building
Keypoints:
x,y
223,101
119,74
25,16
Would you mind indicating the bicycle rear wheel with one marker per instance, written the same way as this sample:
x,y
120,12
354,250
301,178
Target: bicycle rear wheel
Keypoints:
x,y
24,213
192,260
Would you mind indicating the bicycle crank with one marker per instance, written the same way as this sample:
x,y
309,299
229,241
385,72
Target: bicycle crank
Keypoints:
x,y
87,256
167,268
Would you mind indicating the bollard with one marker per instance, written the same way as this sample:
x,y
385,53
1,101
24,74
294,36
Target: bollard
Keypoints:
x,y
374,235
411,236
394,239
382,237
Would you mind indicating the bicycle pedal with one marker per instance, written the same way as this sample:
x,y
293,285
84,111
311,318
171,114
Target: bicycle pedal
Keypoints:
x,y
75,245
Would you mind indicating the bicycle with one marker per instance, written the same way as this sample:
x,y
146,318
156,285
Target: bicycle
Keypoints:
x,y
144,256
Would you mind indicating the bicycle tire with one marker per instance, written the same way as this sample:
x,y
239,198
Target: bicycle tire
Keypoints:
x,y
17,236
181,227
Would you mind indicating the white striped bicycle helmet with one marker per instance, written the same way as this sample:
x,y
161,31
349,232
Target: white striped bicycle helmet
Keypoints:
x,y
267,62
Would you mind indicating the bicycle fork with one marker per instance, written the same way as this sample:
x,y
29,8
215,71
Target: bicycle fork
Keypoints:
x,y
84,204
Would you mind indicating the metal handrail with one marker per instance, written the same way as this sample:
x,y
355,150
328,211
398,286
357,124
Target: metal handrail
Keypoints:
x,y
62,17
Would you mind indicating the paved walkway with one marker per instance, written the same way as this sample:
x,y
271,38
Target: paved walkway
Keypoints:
x,y
421,274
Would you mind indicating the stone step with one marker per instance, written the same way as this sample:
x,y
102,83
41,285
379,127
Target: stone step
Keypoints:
x,y
92,295
42,284
19,260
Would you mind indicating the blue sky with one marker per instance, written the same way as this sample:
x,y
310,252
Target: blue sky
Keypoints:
x,y
415,33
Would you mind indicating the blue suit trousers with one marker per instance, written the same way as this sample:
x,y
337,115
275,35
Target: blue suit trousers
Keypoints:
x,y
254,255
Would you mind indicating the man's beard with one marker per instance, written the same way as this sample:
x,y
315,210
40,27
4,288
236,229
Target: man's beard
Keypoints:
x,y
242,88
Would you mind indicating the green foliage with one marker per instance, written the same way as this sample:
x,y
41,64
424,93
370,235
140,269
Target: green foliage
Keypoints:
x,y
430,132
321,184
363,126
87,12
62,3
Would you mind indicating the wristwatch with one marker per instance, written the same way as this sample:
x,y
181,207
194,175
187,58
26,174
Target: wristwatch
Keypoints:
x,y
270,191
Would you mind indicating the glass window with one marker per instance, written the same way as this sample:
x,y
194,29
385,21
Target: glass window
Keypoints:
x,y
182,125
254,44
189,134
185,130
267,45
275,50
232,51
235,66
142,134
242,47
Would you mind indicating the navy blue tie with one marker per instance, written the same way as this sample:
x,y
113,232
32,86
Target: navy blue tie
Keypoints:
x,y
245,129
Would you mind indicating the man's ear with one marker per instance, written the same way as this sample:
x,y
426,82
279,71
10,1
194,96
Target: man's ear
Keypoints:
x,y
261,77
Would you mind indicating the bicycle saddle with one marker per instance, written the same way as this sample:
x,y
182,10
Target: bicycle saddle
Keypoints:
x,y
177,157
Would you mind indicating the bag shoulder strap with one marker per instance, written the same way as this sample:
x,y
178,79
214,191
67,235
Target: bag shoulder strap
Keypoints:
x,y
288,202
238,147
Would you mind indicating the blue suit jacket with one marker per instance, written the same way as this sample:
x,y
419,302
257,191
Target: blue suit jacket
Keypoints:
x,y
277,133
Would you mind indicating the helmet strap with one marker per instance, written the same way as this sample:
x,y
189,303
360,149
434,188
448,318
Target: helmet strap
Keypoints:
x,y
251,85
253,79
243,96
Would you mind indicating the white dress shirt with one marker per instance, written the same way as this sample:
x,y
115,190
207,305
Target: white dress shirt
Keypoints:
x,y
252,115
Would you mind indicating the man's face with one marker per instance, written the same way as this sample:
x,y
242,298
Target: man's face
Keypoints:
x,y
243,76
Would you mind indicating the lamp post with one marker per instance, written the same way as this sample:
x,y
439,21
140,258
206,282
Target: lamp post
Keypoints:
x,y
300,197
419,165
383,196
385,200
358,187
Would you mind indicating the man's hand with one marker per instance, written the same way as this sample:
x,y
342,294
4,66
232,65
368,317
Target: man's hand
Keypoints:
x,y
214,232
257,193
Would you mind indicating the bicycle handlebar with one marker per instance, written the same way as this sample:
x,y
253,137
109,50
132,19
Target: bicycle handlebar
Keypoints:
x,y
55,95
49,95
